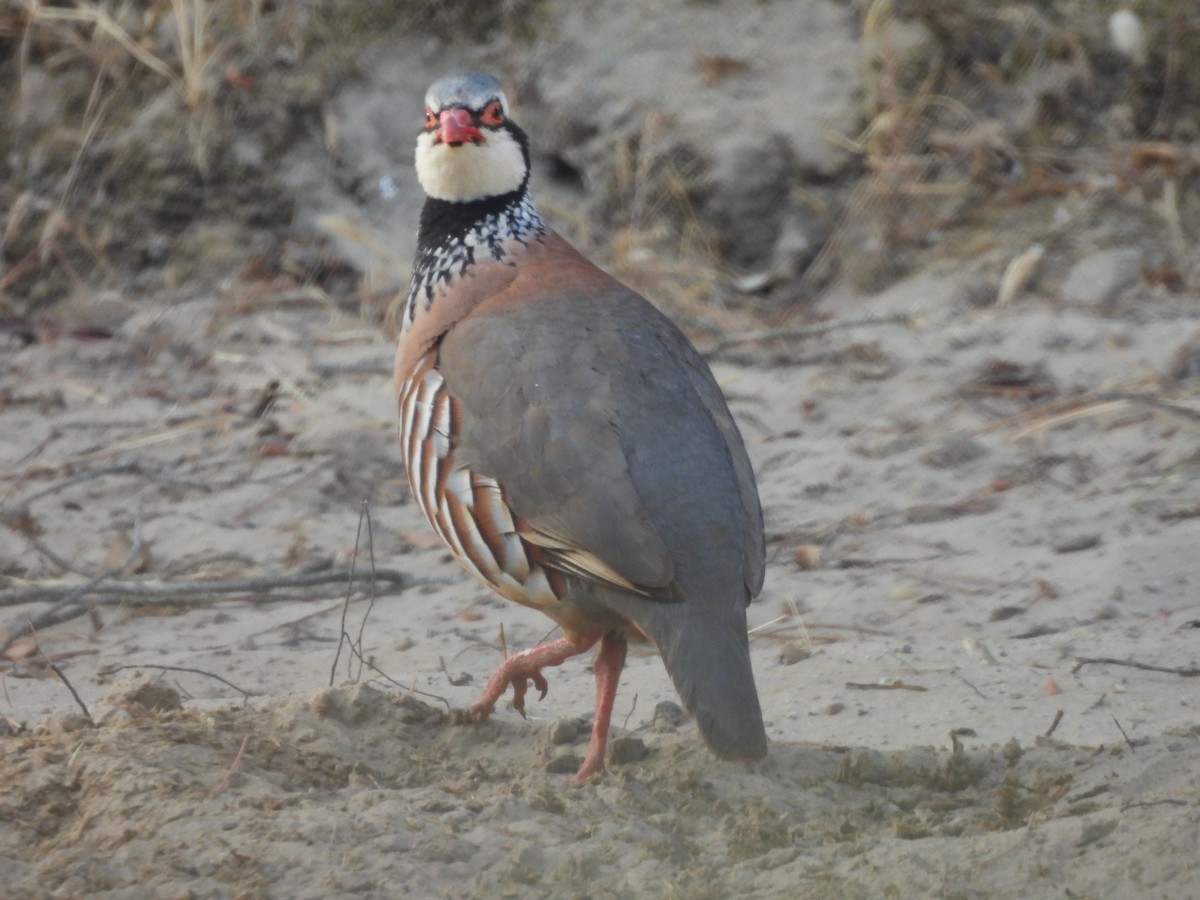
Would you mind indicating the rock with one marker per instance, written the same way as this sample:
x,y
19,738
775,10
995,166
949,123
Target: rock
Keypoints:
x,y
793,652
626,750
1077,543
953,452
566,764
668,716
1100,277
137,695
563,731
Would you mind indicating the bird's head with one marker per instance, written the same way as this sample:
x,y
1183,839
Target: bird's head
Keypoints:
x,y
470,149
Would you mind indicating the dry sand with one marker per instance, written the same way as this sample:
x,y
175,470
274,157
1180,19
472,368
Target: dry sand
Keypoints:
x,y
971,550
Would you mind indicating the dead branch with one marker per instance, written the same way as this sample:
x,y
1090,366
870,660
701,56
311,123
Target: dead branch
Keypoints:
x,y
233,766
1058,717
70,687
130,468
1133,664
53,615
1173,407
112,670
69,600
884,686
1132,749
343,635
186,593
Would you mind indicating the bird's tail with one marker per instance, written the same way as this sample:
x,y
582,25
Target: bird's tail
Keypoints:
x,y
709,661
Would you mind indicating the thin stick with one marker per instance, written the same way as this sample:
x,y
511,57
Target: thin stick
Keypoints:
x,y
362,625
885,686
181,593
629,715
224,782
1184,410
454,682
1083,412
1058,717
112,670
1166,801
140,593
343,635
106,23
1133,664
971,686
70,687
169,434
63,484
1132,749
61,562
52,615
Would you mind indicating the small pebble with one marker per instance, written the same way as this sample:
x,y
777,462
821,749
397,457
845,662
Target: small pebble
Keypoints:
x,y
1077,542
807,556
953,452
626,750
793,652
1000,613
563,731
566,764
1103,276
668,716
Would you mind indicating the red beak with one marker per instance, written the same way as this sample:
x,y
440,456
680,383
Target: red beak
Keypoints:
x,y
457,128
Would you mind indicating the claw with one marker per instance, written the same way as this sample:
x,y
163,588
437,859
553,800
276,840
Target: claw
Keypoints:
x,y
519,669
520,684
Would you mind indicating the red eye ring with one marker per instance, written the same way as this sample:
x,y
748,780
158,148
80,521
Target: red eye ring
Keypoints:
x,y
431,121
493,114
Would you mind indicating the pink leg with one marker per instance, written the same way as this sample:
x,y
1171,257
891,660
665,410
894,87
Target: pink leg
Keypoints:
x,y
521,668
609,663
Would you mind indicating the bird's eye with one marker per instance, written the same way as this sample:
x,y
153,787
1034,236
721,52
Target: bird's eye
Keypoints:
x,y
430,119
493,114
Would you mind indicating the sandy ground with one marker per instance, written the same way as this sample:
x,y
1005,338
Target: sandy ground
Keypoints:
x,y
977,511
988,498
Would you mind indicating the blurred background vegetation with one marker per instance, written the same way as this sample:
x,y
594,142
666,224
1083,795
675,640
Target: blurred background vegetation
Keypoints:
x,y
125,162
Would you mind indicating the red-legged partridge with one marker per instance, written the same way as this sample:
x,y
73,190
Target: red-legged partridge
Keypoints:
x,y
567,442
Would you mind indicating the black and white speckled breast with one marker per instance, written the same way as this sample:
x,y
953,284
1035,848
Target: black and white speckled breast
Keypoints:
x,y
458,236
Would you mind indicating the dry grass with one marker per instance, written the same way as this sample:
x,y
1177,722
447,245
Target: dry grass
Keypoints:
x,y
91,77
1015,103
656,242
999,108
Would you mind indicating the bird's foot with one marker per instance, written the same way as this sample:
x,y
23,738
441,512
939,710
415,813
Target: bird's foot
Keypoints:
x,y
520,685
521,668
609,663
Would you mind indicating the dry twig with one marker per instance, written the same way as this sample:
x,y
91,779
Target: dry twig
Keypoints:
x,y
69,599
70,687
112,670
884,686
233,766
343,635
1058,717
1184,672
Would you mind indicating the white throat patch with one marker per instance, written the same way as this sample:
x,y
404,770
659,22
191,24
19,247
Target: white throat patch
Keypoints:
x,y
470,171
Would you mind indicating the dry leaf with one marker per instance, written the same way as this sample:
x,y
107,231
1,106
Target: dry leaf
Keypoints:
x,y
807,556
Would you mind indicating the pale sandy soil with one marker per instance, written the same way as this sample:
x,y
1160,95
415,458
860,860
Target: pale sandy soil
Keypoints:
x,y
969,556
990,498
